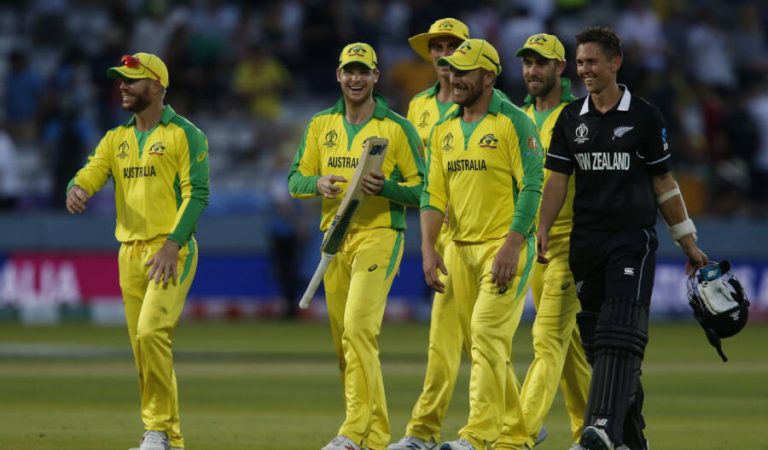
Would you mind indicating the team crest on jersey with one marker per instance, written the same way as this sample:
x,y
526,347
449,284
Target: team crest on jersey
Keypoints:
x,y
531,143
447,143
619,132
423,120
581,134
122,150
331,139
157,149
489,141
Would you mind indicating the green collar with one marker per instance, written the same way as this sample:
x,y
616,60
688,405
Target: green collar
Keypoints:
x,y
165,118
493,107
566,96
432,91
379,112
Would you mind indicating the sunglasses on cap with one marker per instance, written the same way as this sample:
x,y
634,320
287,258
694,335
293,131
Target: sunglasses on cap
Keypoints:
x,y
133,62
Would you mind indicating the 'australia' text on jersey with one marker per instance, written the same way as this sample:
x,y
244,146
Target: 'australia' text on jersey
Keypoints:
x,y
603,161
139,172
343,162
466,164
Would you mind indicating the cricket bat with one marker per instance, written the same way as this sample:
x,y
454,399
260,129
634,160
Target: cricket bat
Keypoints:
x,y
374,151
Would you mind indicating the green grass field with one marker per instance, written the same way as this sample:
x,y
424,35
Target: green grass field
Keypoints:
x,y
275,385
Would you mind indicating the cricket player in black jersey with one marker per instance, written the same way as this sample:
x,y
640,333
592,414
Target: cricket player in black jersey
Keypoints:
x,y
615,144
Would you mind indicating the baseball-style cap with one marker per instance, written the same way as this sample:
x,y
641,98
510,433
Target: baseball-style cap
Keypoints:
x,y
141,65
546,45
474,54
358,52
442,27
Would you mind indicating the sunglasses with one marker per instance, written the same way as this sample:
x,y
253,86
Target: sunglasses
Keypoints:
x,y
133,62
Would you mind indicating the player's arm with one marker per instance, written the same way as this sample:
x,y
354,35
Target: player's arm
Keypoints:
x,y
433,205
408,164
668,196
91,178
304,177
681,227
526,166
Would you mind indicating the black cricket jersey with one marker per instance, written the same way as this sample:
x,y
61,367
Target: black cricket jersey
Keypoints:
x,y
614,156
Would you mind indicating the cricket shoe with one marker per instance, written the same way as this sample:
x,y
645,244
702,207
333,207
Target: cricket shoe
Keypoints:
x,y
412,443
153,440
594,438
341,443
461,444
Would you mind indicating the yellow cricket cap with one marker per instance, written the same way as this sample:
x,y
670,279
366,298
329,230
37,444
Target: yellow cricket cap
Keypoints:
x,y
141,65
546,45
358,52
449,27
474,54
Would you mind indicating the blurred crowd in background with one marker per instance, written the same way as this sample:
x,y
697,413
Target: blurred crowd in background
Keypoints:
x,y
251,73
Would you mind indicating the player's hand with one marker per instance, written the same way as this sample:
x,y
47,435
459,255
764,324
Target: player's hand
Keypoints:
x,y
373,183
505,262
542,241
696,258
76,199
327,187
431,263
164,263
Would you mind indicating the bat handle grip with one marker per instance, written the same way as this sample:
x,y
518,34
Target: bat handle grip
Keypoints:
x,y
314,283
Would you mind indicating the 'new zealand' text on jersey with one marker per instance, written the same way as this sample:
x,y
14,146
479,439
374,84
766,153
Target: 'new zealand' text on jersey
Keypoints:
x,y
488,172
331,146
161,177
614,156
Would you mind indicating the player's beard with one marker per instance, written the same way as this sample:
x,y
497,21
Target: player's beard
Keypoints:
x,y
470,95
140,102
546,86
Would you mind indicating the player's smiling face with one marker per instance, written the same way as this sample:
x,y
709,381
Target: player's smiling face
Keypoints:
x,y
135,94
595,68
439,47
540,74
357,82
467,85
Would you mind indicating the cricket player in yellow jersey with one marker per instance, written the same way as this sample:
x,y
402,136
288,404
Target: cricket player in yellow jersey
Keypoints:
x,y
558,354
446,331
358,279
158,161
485,166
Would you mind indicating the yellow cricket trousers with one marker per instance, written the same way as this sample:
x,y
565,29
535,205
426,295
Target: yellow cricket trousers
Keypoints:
x,y
356,287
558,354
152,312
448,329
494,399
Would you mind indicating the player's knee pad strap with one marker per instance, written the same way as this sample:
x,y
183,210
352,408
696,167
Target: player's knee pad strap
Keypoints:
x,y
623,324
587,321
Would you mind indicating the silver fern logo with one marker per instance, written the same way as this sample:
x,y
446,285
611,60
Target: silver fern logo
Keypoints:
x,y
621,131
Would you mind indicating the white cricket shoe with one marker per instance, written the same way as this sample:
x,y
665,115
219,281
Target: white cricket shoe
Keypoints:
x,y
461,444
412,443
594,438
341,443
154,440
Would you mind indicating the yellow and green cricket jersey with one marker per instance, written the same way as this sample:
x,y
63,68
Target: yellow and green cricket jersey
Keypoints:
x,y
545,123
489,173
424,110
331,146
160,177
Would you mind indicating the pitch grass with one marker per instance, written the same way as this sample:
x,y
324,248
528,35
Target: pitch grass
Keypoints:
x,y
270,385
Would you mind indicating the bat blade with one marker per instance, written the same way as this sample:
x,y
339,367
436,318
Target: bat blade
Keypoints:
x,y
374,152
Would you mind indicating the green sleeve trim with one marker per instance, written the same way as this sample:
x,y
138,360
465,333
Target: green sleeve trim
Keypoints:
x,y
199,181
532,160
302,185
393,190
